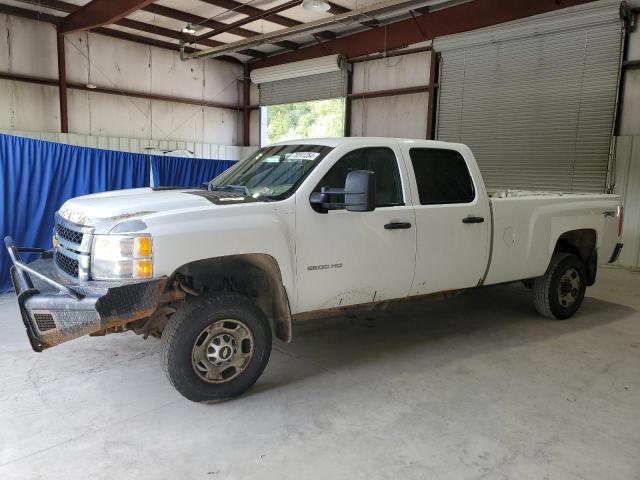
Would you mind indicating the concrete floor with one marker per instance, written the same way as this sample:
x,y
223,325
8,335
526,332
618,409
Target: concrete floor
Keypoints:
x,y
476,386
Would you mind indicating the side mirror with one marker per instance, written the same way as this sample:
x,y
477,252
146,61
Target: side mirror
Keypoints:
x,y
360,191
359,194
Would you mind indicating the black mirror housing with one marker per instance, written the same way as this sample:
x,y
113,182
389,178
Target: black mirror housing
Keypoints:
x,y
360,191
359,194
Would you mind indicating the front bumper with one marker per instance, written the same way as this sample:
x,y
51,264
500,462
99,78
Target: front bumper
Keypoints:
x,y
55,310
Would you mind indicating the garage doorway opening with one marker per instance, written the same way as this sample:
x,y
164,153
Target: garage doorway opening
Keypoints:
x,y
312,119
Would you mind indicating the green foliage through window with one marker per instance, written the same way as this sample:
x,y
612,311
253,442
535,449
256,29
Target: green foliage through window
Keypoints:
x,y
315,119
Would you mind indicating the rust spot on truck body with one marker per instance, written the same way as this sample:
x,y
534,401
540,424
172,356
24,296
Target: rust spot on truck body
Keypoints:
x,y
379,305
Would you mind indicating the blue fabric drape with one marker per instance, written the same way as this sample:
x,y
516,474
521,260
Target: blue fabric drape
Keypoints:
x,y
186,172
36,177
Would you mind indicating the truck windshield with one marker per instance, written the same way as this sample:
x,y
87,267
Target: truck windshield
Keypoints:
x,y
272,173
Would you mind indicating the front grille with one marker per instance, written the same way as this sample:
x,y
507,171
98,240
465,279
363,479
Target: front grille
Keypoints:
x,y
69,235
66,264
44,321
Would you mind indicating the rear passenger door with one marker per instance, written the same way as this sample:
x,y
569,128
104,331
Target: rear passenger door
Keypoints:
x,y
452,219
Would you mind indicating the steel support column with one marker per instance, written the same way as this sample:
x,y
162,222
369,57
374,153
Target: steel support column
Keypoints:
x,y
432,105
62,84
246,107
348,103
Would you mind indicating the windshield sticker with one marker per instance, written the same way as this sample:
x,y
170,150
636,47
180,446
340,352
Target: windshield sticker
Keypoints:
x,y
302,156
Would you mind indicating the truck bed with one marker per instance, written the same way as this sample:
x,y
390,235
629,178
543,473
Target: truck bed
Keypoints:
x,y
527,224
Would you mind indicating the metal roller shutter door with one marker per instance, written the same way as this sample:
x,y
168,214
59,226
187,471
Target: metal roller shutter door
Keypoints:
x,y
303,89
536,103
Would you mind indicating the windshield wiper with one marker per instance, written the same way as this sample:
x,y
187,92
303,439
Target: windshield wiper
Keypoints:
x,y
233,188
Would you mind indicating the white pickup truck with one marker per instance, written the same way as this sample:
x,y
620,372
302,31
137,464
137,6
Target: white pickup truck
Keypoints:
x,y
301,229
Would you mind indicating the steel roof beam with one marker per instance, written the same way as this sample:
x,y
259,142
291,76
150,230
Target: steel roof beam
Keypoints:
x,y
109,32
97,13
446,21
263,15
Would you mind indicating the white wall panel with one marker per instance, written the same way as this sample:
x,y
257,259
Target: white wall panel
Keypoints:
x,y
77,57
388,73
35,107
29,48
79,111
4,44
395,116
221,124
628,186
254,127
403,116
115,116
221,82
629,118
32,48
173,77
176,120
254,94
7,120
119,64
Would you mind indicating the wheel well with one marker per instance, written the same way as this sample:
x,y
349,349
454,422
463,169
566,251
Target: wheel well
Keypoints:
x,y
583,244
256,276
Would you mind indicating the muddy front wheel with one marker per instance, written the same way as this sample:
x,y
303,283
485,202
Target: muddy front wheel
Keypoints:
x,y
216,347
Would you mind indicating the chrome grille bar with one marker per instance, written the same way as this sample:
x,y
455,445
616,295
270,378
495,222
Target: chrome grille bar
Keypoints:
x,y
73,248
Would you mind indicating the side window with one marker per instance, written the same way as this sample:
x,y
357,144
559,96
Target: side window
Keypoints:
x,y
442,176
380,160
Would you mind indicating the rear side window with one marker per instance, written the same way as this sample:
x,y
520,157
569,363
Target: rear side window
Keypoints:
x,y
442,176
380,160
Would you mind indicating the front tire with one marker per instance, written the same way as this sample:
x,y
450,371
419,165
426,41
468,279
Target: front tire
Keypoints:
x,y
559,292
216,347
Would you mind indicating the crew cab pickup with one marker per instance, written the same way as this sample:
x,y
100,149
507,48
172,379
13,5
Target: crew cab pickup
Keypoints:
x,y
301,229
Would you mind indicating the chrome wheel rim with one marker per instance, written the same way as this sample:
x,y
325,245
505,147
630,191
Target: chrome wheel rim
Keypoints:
x,y
569,287
222,351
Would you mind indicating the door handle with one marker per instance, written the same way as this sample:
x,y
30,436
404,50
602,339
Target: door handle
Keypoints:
x,y
397,225
472,219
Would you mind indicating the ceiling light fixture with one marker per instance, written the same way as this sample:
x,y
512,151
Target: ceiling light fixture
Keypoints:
x,y
92,86
316,5
189,29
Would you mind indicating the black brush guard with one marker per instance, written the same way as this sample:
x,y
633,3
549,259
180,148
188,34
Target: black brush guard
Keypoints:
x,y
55,310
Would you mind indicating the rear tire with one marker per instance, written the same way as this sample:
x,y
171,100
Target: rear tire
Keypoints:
x,y
216,347
559,292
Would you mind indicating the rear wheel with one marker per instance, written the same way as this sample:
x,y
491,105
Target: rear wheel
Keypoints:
x,y
559,292
216,347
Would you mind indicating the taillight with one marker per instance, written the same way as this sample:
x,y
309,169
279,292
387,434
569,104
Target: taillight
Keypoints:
x,y
620,219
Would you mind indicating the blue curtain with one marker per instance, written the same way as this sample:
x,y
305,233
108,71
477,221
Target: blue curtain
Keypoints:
x,y
36,177
186,172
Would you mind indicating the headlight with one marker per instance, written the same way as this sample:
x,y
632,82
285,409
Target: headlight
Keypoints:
x,y
121,256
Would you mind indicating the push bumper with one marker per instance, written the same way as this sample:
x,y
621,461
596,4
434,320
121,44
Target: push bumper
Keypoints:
x,y
55,310
616,252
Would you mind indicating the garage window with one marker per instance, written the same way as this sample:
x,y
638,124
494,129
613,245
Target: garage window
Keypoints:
x,y
442,176
312,119
380,160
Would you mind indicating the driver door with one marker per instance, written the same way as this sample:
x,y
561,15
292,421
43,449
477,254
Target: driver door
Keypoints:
x,y
349,258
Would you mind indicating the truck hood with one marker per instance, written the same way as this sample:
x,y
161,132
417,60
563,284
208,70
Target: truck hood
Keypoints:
x,y
112,207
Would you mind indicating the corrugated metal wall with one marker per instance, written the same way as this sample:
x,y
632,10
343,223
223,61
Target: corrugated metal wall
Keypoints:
x,y
627,156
